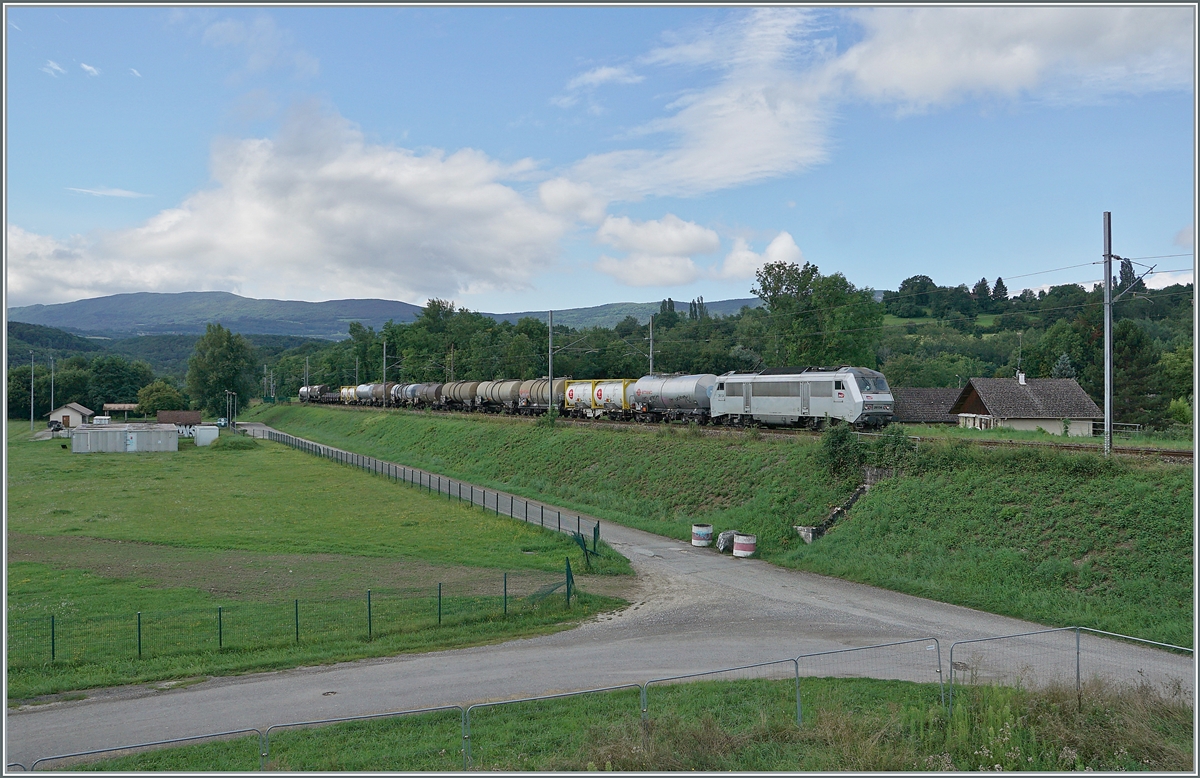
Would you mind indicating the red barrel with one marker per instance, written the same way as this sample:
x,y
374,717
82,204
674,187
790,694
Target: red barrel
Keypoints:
x,y
744,545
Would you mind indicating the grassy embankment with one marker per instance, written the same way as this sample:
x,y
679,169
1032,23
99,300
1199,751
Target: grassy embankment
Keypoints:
x,y
94,539
849,724
1057,538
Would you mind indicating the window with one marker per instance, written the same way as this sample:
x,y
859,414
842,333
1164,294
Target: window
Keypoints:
x,y
821,389
720,387
873,384
838,385
733,389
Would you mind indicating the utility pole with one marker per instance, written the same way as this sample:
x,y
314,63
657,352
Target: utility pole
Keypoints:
x,y
51,381
651,344
1108,344
306,371
31,391
550,362
356,371
385,389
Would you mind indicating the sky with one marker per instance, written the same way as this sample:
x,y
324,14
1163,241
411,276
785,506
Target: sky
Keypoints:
x,y
528,158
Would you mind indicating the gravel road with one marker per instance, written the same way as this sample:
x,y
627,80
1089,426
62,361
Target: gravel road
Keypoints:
x,y
694,610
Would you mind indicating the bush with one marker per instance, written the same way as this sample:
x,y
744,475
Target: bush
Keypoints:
x,y
842,451
234,443
893,448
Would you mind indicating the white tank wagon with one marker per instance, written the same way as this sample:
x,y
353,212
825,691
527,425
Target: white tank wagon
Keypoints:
x,y
657,397
614,398
362,394
804,397
347,394
577,400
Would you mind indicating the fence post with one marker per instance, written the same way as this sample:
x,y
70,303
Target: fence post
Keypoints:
x,y
510,506
139,634
51,637
542,515
220,628
297,621
578,526
369,632
799,713
569,582
559,520
439,605
497,503
1079,690
506,594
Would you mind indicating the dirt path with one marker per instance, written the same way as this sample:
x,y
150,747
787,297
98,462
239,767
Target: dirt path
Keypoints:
x,y
693,610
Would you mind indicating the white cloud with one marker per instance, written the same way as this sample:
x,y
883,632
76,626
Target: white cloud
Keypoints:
x,y
920,57
91,71
1163,280
263,44
760,120
106,191
741,262
53,68
1185,238
603,75
133,71
649,270
567,198
659,250
315,214
670,235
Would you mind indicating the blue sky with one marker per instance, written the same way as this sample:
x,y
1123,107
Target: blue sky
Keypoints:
x,y
534,158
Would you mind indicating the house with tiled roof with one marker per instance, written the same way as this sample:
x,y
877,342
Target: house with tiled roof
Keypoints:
x,y
1056,405
919,405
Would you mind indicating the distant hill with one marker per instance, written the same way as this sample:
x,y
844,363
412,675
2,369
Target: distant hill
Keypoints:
x,y
608,315
166,354
23,338
186,313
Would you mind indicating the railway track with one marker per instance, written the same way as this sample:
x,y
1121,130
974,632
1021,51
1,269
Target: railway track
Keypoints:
x,y
1144,452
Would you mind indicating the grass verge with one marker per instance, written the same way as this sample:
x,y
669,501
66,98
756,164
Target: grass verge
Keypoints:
x,y
1060,538
849,724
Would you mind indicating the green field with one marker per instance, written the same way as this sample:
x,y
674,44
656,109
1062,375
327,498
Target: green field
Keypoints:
x,y
1057,538
849,724
286,545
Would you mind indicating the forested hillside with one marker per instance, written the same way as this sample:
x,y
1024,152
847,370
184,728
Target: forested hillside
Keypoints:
x,y
921,335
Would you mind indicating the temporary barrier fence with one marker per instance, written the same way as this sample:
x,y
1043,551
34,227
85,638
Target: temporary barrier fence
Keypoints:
x,y
856,661
1050,656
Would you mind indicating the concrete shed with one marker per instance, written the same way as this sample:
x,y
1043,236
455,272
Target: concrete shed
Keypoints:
x,y
129,438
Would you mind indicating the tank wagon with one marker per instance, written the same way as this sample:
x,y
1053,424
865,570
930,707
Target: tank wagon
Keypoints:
x,y
776,397
803,397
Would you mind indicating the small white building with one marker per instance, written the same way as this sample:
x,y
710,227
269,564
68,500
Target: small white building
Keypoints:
x,y
1057,405
71,415
129,438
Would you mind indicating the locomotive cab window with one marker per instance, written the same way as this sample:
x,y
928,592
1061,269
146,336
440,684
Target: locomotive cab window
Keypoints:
x,y
720,387
838,385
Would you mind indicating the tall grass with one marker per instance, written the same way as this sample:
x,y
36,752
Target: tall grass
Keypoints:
x,y
850,725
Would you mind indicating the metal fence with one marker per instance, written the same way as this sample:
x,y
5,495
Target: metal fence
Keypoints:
x,y
500,503
1054,655
241,626
1066,655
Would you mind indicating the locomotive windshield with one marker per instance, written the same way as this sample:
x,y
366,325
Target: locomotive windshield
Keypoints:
x,y
872,384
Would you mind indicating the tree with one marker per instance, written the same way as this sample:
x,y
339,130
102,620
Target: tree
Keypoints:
x,y
982,293
815,319
221,362
999,292
113,379
1134,360
1062,368
159,396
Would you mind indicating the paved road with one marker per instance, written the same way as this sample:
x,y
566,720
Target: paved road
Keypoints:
x,y
696,610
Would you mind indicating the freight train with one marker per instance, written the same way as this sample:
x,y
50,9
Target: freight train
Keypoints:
x,y
777,397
